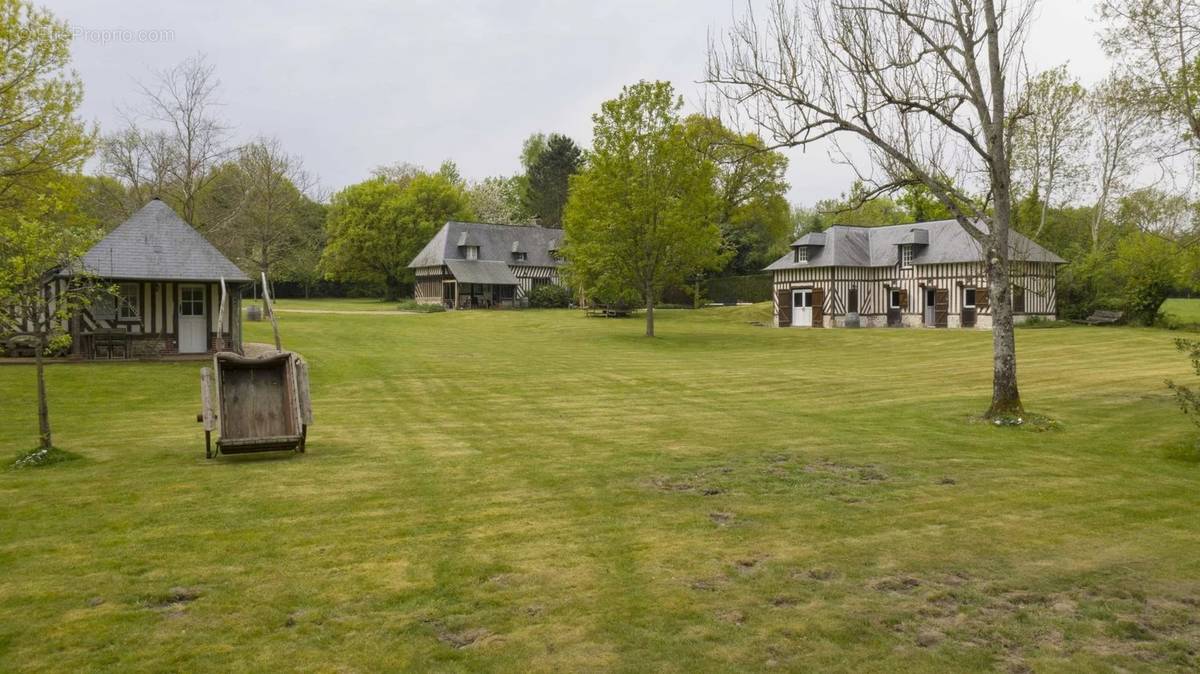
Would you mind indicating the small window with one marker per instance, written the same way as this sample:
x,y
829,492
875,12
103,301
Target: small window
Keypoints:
x,y
801,254
894,299
191,301
906,255
472,252
128,307
520,256
852,301
969,298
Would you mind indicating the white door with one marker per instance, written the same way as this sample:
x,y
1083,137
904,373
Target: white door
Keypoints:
x,y
930,303
802,308
193,319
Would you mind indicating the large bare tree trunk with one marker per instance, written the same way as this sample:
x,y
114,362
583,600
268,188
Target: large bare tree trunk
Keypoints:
x,y
1006,398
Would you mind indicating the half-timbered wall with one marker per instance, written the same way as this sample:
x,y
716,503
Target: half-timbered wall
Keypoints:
x,y
155,327
1037,280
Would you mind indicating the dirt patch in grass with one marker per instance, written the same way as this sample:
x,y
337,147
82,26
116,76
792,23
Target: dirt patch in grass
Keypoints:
x,y
173,600
899,584
721,519
460,638
1021,625
464,638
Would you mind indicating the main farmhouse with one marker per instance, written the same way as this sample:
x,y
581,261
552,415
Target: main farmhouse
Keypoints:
x,y
167,279
469,265
925,274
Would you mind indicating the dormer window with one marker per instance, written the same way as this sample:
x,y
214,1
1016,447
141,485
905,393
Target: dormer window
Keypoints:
x,y
801,254
471,252
520,256
906,255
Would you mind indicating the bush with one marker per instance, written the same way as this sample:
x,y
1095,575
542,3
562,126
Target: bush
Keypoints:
x,y
413,305
549,296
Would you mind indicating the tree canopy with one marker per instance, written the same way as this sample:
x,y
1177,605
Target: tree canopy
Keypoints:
x,y
376,227
643,214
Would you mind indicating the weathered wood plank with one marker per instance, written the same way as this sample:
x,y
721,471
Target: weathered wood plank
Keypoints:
x,y
206,391
306,415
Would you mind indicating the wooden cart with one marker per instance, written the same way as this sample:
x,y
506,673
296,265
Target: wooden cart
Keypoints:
x,y
255,404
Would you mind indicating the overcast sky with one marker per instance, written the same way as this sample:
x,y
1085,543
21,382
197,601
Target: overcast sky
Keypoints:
x,y
356,84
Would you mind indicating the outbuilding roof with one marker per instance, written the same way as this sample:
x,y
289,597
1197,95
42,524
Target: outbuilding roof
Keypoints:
x,y
498,243
933,243
156,244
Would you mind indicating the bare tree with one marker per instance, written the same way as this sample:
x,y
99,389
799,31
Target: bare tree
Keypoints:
x,y
1049,143
1121,135
144,161
273,188
924,85
183,100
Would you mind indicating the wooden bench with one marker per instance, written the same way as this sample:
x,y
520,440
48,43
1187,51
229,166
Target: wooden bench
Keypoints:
x,y
108,344
608,310
1103,317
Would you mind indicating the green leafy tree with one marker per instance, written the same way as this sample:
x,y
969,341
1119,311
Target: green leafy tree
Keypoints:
x,y
753,212
302,264
42,147
546,193
499,199
643,215
375,228
1187,397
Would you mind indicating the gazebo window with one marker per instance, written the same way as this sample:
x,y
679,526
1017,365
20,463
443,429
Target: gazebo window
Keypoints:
x,y
127,302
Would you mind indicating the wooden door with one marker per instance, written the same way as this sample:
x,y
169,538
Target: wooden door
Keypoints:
x,y
193,319
895,306
818,308
783,298
970,296
941,307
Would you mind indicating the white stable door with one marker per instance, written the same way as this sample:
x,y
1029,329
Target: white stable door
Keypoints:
x,y
193,319
802,308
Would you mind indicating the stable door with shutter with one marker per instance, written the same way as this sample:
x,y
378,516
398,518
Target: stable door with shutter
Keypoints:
x,y
193,319
802,313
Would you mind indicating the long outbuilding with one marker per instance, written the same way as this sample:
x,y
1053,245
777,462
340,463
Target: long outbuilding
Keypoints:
x,y
474,265
928,274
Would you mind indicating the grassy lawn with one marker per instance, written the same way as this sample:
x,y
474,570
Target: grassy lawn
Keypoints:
x,y
1185,310
345,304
539,491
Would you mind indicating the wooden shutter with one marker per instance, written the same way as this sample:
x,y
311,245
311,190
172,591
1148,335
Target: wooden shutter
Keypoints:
x,y
903,300
784,298
1018,299
981,299
941,307
818,307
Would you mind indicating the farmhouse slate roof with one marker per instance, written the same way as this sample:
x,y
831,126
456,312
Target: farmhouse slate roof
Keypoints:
x,y
156,244
947,241
497,243
482,271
